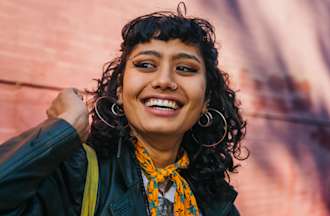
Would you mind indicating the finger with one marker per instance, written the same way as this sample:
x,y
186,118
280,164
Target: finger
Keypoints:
x,y
75,90
79,93
51,113
87,132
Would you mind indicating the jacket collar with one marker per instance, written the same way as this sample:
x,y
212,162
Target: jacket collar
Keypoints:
x,y
127,164
221,206
215,207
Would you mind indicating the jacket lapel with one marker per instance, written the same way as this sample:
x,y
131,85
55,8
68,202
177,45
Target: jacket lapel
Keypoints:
x,y
132,201
221,205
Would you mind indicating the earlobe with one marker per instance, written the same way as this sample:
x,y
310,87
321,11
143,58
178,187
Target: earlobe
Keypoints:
x,y
204,110
205,106
120,96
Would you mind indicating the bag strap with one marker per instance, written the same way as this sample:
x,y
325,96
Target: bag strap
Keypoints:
x,y
91,184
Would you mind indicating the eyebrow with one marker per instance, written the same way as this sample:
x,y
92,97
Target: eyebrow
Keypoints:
x,y
177,56
186,56
149,52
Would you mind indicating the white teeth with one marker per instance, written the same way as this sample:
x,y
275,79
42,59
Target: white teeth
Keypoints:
x,y
162,103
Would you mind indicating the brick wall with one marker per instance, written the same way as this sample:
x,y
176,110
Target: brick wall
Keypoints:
x,y
277,53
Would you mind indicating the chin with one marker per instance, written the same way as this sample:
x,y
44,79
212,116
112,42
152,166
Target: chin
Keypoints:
x,y
164,130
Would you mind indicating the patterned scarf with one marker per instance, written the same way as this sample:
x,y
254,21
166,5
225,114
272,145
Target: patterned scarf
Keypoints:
x,y
184,200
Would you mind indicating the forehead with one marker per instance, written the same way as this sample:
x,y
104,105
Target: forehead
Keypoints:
x,y
167,48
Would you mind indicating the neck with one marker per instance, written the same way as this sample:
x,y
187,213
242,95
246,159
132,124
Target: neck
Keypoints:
x,y
162,150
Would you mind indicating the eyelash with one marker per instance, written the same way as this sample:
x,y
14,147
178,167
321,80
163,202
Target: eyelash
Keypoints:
x,y
144,65
150,66
186,69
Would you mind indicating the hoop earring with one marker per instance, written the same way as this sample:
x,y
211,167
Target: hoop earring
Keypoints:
x,y
209,121
118,113
114,106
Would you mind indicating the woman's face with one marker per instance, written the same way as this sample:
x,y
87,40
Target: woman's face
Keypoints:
x,y
164,85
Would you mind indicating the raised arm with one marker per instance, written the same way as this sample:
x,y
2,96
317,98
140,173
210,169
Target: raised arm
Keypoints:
x,y
29,158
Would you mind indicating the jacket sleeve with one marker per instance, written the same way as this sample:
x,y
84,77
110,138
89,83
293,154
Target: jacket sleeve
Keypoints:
x,y
31,157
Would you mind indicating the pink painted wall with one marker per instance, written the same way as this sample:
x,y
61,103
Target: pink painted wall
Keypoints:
x,y
278,55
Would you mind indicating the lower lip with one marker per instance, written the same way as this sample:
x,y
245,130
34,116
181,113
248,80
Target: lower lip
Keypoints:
x,y
162,112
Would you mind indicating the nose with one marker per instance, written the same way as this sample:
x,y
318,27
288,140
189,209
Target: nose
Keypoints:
x,y
164,80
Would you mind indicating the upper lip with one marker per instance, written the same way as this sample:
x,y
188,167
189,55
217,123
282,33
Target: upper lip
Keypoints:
x,y
164,97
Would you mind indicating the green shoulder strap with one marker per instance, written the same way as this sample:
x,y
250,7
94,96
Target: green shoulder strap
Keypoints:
x,y
91,184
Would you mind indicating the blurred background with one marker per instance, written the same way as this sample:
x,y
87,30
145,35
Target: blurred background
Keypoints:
x,y
277,53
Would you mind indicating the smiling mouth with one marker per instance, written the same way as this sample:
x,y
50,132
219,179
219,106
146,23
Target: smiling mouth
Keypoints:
x,y
163,104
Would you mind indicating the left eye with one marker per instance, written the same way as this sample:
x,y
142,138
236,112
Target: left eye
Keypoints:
x,y
186,69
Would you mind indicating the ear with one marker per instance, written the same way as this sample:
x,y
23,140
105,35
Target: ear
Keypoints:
x,y
120,95
205,106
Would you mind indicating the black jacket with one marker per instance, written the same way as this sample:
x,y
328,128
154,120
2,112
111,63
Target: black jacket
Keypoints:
x,y
43,171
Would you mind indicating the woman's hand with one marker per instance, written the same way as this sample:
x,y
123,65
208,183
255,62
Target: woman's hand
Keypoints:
x,y
69,106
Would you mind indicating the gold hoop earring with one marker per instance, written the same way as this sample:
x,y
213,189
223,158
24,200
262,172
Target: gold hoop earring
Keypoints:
x,y
209,121
116,110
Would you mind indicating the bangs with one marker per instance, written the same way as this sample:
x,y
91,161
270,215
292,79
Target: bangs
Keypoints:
x,y
166,26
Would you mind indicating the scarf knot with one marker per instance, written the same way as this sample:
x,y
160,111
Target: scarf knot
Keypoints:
x,y
184,200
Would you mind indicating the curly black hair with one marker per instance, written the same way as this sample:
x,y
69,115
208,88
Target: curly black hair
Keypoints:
x,y
209,167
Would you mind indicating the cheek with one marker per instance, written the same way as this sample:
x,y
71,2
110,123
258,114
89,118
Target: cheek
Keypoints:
x,y
197,98
197,91
131,86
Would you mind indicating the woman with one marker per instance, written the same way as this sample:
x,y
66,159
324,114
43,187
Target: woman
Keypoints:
x,y
165,128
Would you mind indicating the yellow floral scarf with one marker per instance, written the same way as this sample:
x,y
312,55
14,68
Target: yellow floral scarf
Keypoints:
x,y
184,200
